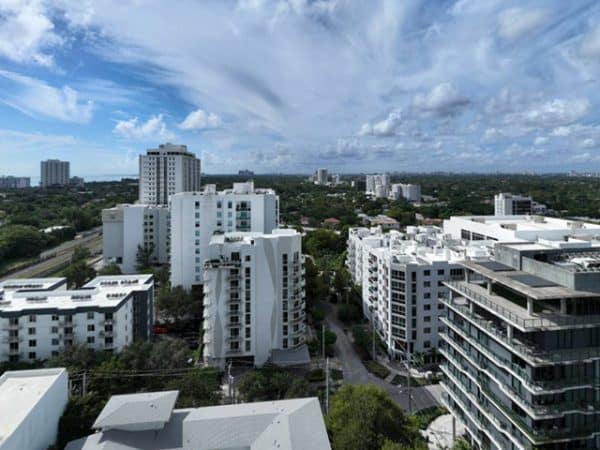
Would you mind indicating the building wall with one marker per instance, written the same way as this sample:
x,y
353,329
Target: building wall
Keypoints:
x,y
270,286
54,173
195,216
38,431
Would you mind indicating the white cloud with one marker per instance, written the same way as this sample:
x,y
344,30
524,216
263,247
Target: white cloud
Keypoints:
x,y
153,129
514,23
200,120
557,112
540,140
35,97
587,143
443,99
26,32
561,131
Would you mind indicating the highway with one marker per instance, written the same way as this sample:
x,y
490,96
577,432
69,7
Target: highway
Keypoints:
x,y
62,256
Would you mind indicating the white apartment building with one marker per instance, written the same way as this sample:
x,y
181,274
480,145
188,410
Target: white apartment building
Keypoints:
x,y
39,317
507,204
321,176
378,185
127,227
254,301
31,404
196,216
520,228
167,170
54,172
409,192
401,276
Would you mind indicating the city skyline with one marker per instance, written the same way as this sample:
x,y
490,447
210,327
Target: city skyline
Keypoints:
x,y
290,86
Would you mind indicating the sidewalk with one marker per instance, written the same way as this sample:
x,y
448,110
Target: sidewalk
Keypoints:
x,y
439,432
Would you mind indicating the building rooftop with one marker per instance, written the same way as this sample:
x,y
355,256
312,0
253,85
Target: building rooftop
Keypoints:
x,y
20,391
13,284
527,222
103,291
137,412
295,424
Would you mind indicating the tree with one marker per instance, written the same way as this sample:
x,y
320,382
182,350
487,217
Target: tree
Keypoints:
x,y
363,417
322,242
110,269
78,273
143,257
198,388
176,304
78,417
271,384
461,444
80,253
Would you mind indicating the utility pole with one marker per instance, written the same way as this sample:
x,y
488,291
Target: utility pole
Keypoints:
x,y
323,339
229,383
327,386
407,365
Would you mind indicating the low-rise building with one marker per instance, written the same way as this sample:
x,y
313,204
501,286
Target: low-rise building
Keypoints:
x,y
401,276
254,300
31,404
10,182
521,347
128,227
40,317
149,420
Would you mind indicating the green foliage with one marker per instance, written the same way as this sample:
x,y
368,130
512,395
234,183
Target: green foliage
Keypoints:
x,y
18,241
198,388
363,417
349,313
176,304
376,369
78,273
80,253
316,375
110,269
461,444
323,242
79,415
271,384
143,257
425,416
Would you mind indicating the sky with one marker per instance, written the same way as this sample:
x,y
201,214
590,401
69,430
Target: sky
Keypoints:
x,y
286,86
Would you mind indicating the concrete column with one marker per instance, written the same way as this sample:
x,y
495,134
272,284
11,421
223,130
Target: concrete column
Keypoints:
x,y
563,305
489,286
509,332
453,429
529,306
467,277
472,307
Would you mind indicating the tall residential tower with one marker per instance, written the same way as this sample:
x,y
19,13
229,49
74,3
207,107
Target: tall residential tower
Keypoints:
x,y
54,172
167,170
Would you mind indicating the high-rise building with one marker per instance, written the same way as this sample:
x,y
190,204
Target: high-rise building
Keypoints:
x,y
196,216
128,228
521,347
254,299
401,276
54,173
409,192
321,176
167,170
10,182
378,185
507,204
40,317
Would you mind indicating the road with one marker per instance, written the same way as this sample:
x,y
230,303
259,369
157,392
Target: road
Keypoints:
x,y
356,373
47,266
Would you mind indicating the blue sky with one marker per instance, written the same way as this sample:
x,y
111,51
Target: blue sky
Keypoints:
x,y
290,85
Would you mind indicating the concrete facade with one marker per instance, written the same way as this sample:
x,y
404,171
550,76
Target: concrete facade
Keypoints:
x,y
196,216
38,318
165,171
507,204
54,172
31,404
254,299
126,227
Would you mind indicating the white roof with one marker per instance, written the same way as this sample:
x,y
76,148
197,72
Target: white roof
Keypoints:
x,y
20,391
103,291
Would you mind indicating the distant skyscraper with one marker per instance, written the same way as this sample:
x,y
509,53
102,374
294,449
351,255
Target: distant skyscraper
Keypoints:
x,y
246,173
167,170
54,173
378,185
321,176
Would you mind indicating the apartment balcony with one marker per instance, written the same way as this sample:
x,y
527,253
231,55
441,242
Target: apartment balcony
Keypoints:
x,y
12,340
107,322
230,313
14,326
233,350
102,334
516,315
233,338
298,318
233,323
206,338
13,351
233,277
233,300
528,352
